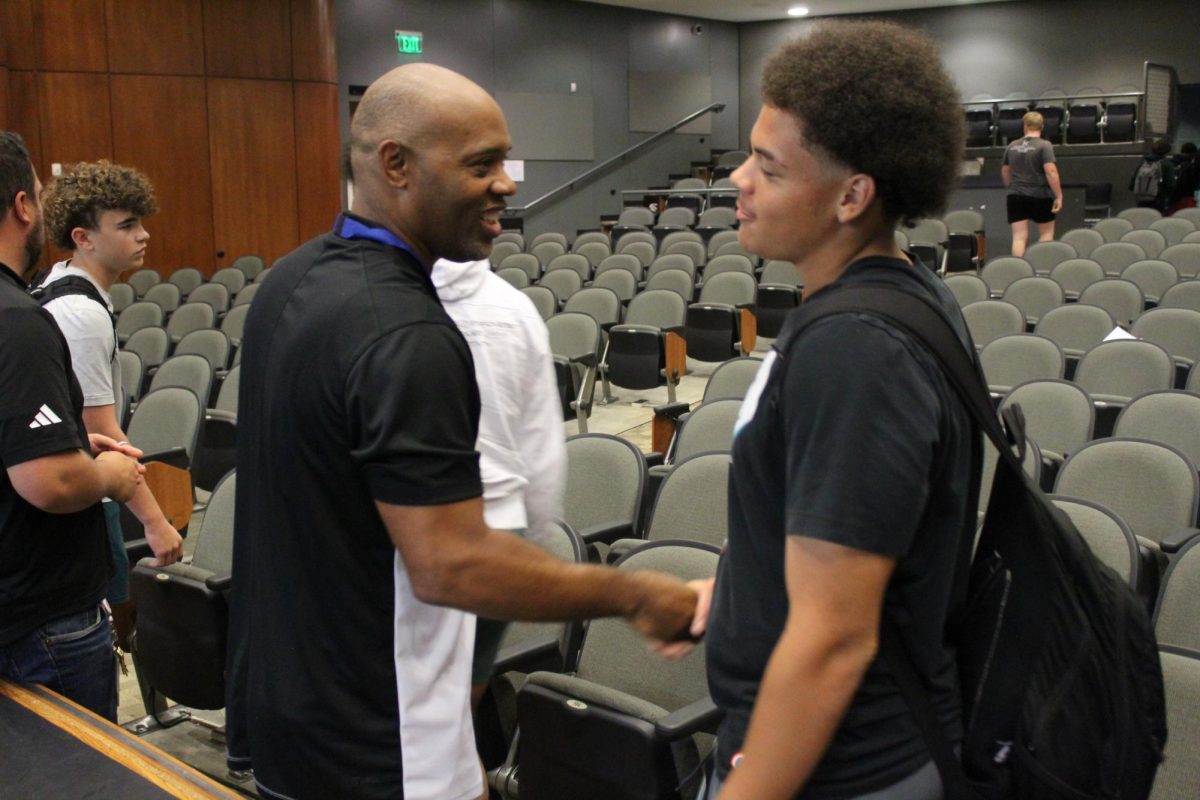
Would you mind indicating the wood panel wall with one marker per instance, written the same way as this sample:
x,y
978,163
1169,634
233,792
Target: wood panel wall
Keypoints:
x,y
230,107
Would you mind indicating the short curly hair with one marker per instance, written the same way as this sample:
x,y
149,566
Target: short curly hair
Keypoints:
x,y
874,97
78,198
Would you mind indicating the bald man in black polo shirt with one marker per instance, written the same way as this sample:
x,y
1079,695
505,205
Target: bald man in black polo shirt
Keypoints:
x,y
361,553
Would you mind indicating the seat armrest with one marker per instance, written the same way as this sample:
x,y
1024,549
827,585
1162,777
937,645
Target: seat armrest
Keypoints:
x,y
175,456
1174,541
529,656
587,359
606,532
700,716
672,410
218,583
654,458
606,326
217,414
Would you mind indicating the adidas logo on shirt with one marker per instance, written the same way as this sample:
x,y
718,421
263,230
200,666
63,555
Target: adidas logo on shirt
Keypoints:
x,y
44,417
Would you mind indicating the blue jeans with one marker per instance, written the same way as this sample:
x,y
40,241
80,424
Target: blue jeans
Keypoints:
x,y
71,655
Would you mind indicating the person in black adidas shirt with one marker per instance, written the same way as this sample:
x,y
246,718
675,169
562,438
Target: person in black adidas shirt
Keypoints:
x,y
54,555
851,496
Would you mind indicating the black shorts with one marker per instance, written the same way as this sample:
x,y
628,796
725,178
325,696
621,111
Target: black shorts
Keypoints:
x,y
1022,207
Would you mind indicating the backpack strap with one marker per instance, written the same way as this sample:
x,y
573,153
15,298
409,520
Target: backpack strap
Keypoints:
x,y
74,284
921,319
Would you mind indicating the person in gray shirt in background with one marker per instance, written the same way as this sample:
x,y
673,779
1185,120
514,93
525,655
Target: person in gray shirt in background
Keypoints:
x,y
1035,193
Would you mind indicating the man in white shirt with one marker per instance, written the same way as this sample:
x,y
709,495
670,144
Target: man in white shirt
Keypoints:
x,y
96,212
522,448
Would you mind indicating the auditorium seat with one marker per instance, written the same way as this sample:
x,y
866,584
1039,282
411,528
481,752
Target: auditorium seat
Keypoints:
x,y
231,278
191,316
575,346
181,633
215,294
1176,330
647,350
1084,240
1076,274
967,288
249,265
1042,256
143,279
1122,299
1153,277
624,724
121,295
1034,296
1000,272
620,281
721,324
1015,359
988,320
138,315
731,379
1152,487
1173,229
187,279
166,295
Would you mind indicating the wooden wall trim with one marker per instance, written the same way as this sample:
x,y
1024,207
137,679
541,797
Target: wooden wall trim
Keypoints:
x,y
314,41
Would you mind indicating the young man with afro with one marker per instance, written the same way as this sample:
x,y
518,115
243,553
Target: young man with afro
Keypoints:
x,y
854,484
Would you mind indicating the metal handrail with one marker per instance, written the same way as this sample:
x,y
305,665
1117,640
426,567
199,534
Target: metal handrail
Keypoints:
x,y
512,211
1014,101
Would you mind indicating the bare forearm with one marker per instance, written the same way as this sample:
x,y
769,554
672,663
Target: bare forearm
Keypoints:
x,y
803,696
505,577
1054,183
102,420
62,483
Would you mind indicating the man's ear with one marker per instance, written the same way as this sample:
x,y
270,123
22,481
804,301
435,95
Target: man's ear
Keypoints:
x,y
395,161
81,238
858,193
23,207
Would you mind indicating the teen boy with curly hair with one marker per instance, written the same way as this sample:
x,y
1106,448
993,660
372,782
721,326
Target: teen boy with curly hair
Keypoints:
x,y
96,212
852,496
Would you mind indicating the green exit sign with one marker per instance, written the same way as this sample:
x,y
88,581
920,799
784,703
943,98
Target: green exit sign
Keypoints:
x,y
409,42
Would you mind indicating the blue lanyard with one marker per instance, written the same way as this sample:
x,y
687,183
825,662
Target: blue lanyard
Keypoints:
x,y
348,227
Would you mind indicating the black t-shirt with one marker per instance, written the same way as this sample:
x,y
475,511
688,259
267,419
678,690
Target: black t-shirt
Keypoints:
x,y
356,387
51,565
856,438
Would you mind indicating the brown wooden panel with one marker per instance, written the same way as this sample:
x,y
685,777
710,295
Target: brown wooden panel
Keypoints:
x,y
317,154
252,145
148,111
314,50
23,114
16,17
152,37
23,117
3,36
3,97
69,35
74,112
248,38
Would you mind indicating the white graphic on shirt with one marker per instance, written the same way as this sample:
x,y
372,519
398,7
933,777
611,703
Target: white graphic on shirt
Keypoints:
x,y
45,416
750,404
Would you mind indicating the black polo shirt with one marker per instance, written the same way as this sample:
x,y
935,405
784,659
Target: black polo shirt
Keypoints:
x,y
51,565
356,387
853,436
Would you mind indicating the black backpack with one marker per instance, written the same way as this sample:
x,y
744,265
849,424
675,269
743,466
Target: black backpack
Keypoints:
x,y
74,284
1061,680
1147,181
